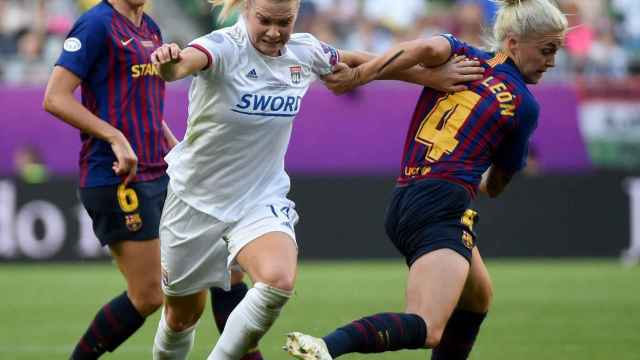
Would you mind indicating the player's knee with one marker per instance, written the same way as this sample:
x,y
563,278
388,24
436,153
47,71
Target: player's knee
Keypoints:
x,y
485,298
147,299
179,321
434,334
481,299
279,279
148,303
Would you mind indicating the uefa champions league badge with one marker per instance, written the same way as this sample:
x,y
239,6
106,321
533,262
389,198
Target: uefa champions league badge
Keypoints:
x,y
296,74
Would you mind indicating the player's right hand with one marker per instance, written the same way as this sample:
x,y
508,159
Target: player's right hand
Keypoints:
x,y
342,80
166,53
452,76
126,164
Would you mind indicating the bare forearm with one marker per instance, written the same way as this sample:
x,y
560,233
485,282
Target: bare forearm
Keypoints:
x,y
169,72
168,134
69,110
417,74
494,181
404,56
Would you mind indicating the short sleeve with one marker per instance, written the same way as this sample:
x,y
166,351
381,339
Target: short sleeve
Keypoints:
x,y
323,56
220,50
457,46
84,45
512,152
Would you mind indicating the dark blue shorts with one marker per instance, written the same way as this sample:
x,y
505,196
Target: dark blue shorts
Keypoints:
x,y
430,215
131,213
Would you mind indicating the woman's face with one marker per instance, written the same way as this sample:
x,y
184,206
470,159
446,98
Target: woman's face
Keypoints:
x,y
535,55
270,24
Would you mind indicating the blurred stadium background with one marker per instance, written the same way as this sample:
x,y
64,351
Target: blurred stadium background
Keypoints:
x,y
557,241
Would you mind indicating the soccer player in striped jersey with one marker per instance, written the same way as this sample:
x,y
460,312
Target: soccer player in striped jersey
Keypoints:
x,y
227,201
122,169
453,139
124,140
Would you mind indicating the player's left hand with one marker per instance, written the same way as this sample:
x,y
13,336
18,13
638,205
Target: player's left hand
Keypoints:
x,y
342,80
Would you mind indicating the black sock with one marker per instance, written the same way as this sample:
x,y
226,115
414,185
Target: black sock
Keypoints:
x,y
223,303
458,336
112,325
378,333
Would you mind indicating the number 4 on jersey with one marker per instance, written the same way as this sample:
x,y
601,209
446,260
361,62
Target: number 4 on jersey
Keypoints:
x,y
439,128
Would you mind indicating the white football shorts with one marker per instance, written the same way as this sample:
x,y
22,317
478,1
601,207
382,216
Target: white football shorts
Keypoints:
x,y
197,250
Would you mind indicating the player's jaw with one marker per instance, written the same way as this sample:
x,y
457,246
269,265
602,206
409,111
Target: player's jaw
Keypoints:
x,y
535,56
133,4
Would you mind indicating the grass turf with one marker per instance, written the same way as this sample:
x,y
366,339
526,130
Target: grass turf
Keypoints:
x,y
552,309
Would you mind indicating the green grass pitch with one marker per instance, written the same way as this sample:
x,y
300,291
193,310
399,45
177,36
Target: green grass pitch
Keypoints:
x,y
554,309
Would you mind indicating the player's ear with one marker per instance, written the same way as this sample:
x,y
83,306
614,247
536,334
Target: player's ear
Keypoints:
x,y
513,43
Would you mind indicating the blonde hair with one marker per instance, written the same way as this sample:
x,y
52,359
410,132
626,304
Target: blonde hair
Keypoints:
x,y
525,18
229,5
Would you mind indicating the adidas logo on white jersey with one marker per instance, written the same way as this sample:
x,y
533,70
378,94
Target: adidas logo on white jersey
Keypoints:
x,y
252,74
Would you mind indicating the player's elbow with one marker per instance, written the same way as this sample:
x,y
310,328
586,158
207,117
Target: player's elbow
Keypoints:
x,y
433,51
50,102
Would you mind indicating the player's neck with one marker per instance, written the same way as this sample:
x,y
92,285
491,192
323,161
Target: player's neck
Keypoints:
x,y
133,13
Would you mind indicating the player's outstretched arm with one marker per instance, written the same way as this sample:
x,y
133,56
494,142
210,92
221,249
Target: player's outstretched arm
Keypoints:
x,y
175,63
60,102
430,52
448,77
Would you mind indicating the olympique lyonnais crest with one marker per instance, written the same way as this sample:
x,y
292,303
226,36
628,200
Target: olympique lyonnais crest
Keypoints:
x,y
296,74
133,222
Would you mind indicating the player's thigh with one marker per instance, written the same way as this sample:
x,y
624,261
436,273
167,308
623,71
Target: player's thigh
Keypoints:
x,y
478,290
139,262
182,312
263,243
434,285
271,259
192,252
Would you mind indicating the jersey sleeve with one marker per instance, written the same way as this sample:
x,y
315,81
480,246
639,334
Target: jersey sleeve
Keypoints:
x,y
512,152
84,45
459,47
322,56
221,51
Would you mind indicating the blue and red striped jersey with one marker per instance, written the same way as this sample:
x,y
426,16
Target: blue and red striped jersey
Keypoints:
x,y
457,136
119,85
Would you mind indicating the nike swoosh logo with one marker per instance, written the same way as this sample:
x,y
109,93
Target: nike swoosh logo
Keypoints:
x,y
125,43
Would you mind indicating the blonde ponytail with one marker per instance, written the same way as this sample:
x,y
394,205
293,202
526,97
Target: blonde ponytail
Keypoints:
x,y
525,18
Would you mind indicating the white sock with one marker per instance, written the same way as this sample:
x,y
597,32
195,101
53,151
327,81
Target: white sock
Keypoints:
x,y
172,345
249,321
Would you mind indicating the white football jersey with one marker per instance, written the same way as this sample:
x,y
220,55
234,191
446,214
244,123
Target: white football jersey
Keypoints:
x,y
241,110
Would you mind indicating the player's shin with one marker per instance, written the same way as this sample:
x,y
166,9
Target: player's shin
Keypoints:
x,y
222,304
112,325
459,336
249,321
378,333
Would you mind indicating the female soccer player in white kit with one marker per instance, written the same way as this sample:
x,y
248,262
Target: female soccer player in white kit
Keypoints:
x,y
227,199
